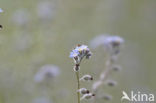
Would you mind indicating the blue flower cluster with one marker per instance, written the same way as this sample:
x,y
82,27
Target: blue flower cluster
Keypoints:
x,y
79,52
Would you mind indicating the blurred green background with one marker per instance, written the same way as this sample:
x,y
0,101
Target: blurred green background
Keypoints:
x,y
32,37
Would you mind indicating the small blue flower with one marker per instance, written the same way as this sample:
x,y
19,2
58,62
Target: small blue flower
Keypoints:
x,y
81,48
74,53
79,53
1,10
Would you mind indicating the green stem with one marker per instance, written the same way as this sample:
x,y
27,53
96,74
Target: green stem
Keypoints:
x,y
78,86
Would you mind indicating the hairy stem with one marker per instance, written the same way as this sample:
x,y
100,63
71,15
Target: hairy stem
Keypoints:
x,y
78,86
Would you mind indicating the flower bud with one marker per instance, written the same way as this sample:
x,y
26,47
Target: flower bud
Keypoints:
x,y
116,68
111,83
76,60
106,97
83,91
87,96
88,56
86,78
76,67
1,27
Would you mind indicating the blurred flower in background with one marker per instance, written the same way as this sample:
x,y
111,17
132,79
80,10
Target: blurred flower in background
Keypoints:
x,y
46,10
21,17
111,44
1,10
98,41
23,42
47,73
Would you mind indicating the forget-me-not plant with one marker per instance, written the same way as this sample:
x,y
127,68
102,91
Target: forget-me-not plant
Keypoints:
x,y
78,54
